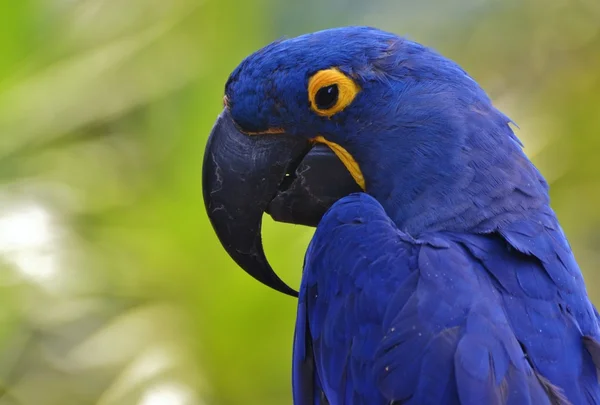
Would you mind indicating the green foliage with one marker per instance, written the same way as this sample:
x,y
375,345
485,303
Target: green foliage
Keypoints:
x,y
114,290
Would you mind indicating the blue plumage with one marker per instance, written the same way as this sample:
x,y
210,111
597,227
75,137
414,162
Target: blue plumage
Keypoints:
x,y
452,318
449,281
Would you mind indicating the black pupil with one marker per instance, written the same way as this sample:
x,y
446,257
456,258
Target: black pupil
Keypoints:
x,y
326,97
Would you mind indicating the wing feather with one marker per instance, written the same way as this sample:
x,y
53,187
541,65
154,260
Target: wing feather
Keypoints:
x,y
446,318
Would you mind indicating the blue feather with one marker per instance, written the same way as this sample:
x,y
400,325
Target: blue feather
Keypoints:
x,y
449,317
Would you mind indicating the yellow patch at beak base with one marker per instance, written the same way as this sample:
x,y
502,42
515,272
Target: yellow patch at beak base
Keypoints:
x,y
346,159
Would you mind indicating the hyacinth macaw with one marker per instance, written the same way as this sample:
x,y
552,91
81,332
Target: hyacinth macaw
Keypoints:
x,y
438,273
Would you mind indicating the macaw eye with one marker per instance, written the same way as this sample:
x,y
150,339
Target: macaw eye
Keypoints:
x,y
326,97
330,91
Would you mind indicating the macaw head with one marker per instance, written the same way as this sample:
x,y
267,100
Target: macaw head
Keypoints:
x,y
312,119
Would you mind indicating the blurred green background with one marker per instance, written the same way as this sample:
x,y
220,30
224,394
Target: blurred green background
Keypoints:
x,y
114,290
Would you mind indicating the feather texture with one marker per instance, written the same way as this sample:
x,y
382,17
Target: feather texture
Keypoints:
x,y
452,318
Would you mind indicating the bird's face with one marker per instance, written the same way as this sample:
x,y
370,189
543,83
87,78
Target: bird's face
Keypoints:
x,y
309,120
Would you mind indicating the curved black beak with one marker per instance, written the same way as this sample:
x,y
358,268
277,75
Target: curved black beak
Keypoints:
x,y
284,175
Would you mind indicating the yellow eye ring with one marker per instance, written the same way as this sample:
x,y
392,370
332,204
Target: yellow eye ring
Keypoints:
x,y
330,91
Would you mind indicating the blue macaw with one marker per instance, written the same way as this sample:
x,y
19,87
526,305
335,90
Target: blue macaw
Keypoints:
x,y
438,273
